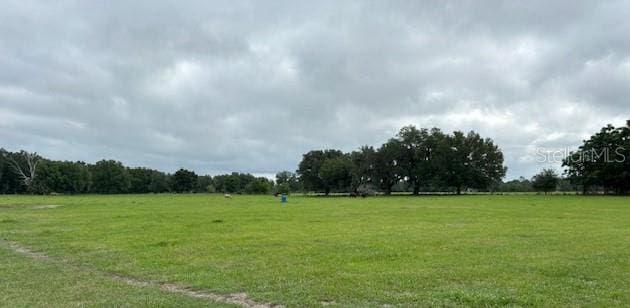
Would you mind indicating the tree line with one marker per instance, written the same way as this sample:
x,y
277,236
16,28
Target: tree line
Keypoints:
x,y
547,180
602,163
23,172
414,160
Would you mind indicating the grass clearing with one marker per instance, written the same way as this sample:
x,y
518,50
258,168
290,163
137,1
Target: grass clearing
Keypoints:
x,y
37,281
485,250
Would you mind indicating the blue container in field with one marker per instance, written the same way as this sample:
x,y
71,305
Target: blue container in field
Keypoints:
x,y
283,198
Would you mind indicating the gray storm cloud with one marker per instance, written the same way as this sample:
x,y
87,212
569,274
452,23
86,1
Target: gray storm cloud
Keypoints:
x,y
250,86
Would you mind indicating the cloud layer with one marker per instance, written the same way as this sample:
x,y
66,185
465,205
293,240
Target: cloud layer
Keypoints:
x,y
250,86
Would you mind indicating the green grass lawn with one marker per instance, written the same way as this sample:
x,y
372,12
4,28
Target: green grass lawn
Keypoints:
x,y
485,250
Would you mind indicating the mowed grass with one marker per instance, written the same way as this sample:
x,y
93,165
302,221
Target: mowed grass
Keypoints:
x,y
483,250
25,283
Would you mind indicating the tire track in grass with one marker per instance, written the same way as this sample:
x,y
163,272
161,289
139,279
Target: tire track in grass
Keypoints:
x,y
240,299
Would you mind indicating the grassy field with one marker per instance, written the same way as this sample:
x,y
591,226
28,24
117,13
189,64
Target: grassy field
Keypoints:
x,y
511,250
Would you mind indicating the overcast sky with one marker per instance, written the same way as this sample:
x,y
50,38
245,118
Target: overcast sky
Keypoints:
x,y
250,86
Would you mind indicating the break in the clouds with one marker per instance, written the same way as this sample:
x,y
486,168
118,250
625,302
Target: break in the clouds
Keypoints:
x,y
251,85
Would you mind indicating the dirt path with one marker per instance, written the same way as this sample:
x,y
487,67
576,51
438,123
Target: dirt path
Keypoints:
x,y
240,299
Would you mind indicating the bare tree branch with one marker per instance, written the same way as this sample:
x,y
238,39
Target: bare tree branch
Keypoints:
x,y
26,175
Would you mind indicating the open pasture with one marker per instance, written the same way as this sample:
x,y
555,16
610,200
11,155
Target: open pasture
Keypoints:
x,y
206,250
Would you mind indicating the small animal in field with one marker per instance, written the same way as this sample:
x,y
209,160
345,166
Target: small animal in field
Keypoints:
x,y
227,196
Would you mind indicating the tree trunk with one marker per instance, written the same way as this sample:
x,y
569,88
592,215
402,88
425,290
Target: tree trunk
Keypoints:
x,y
459,190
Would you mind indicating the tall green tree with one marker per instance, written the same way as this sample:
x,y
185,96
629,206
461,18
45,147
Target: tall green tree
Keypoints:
x,y
259,186
414,156
110,177
309,169
467,161
160,182
545,181
140,180
387,170
336,174
602,161
485,162
62,177
184,181
227,183
205,184
363,167
288,179
232,183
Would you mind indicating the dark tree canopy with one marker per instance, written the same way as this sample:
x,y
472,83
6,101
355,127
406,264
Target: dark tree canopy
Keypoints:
x,y
336,173
421,159
259,186
414,156
310,170
205,184
63,177
467,161
144,180
362,167
110,177
23,172
602,161
387,171
545,181
184,181
140,179
288,181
